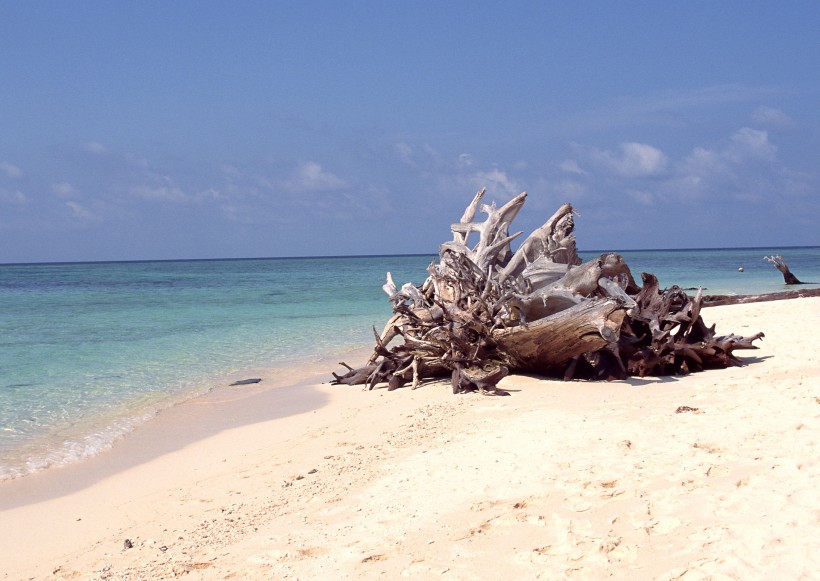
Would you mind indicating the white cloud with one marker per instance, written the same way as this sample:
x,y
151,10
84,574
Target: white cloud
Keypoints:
x,y
167,193
571,166
664,107
79,212
404,153
742,167
772,117
230,171
640,159
751,144
745,167
95,148
421,157
263,182
703,172
633,160
63,189
497,182
211,194
11,170
466,160
12,197
498,179
310,177
134,160
704,96
642,197
570,190
799,183
230,212
704,162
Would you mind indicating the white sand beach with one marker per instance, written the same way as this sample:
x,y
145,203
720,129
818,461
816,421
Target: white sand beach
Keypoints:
x,y
714,475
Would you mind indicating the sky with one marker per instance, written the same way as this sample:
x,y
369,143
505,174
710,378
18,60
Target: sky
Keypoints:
x,y
181,130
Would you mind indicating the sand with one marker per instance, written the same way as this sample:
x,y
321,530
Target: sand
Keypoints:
x,y
560,480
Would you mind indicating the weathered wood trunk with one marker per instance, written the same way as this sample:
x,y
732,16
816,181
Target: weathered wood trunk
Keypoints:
x,y
780,263
722,300
547,345
485,311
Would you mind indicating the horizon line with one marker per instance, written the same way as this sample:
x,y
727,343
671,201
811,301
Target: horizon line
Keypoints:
x,y
342,256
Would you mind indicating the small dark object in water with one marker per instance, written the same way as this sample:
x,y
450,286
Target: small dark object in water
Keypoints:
x,y
685,408
127,544
247,381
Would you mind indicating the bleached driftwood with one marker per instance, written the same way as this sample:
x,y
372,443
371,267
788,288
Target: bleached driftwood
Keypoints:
x,y
485,311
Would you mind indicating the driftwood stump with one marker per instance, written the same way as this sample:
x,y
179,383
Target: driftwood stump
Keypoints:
x,y
780,263
486,311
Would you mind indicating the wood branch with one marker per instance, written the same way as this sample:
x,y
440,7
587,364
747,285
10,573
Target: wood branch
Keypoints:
x,y
542,271
553,241
720,300
578,283
466,224
493,243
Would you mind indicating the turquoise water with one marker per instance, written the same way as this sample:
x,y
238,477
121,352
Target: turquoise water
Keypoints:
x,y
88,351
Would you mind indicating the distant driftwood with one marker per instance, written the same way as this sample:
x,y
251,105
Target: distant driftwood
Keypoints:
x,y
486,310
721,300
780,263
788,277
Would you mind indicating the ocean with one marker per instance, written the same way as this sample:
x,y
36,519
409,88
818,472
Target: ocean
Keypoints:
x,y
88,351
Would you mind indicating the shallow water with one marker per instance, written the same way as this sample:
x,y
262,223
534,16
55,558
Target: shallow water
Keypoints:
x,y
88,351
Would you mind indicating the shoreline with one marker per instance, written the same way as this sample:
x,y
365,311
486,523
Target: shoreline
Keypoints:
x,y
561,477
275,375
285,390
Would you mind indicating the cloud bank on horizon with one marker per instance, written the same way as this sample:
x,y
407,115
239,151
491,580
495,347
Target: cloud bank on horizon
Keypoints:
x,y
203,130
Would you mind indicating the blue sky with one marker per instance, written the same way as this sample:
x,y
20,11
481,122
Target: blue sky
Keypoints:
x,y
159,130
